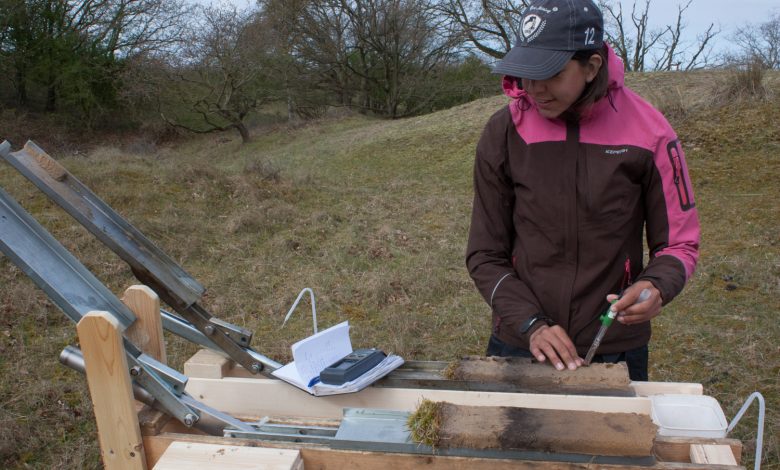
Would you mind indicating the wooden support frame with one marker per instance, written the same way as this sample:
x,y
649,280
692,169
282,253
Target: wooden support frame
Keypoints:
x,y
217,382
119,417
109,383
147,331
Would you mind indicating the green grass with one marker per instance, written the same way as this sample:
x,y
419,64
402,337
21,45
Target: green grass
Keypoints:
x,y
373,215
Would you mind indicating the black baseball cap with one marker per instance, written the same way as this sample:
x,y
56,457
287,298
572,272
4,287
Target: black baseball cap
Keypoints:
x,y
551,31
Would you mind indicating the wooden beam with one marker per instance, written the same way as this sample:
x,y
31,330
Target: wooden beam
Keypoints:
x,y
677,449
109,383
193,455
322,458
146,332
646,389
151,421
269,397
712,454
208,364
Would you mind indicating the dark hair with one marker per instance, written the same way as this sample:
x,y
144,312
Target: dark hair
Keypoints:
x,y
595,90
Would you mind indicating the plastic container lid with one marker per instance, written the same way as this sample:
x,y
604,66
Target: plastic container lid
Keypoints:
x,y
688,415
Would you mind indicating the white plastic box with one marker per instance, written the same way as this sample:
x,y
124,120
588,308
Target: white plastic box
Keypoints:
x,y
688,415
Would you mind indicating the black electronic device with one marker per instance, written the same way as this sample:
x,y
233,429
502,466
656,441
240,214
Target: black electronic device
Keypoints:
x,y
352,366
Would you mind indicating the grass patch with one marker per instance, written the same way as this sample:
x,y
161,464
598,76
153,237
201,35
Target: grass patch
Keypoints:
x,y
425,422
373,216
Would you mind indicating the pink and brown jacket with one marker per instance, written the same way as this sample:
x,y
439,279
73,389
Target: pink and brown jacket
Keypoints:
x,y
559,211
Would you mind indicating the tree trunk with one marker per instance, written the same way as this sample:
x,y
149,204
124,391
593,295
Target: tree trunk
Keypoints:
x,y
21,86
51,98
241,128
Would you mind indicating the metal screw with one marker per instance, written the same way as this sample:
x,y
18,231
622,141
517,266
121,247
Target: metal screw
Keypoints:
x,y
190,419
135,371
256,368
209,330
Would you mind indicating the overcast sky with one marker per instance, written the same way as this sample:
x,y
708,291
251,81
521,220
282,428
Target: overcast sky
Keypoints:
x,y
726,14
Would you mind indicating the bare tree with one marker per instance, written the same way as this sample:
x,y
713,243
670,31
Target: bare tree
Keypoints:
x,y
399,47
221,74
761,42
491,26
636,43
315,35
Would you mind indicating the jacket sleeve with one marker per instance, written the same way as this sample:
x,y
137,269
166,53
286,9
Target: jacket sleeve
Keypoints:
x,y
673,230
489,251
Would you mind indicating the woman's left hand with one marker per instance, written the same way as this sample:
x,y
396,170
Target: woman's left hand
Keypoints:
x,y
631,313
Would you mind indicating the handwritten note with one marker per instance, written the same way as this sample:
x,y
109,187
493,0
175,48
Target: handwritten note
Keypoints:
x,y
311,355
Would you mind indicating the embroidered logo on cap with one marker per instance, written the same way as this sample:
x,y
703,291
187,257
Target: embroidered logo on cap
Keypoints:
x,y
532,26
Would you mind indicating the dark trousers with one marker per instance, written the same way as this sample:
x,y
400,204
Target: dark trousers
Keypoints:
x,y
635,359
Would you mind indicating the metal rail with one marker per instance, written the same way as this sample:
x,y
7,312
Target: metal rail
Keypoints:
x,y
148,263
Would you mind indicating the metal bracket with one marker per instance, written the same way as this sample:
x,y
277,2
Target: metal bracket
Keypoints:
x,y
175,379
210,421
240,335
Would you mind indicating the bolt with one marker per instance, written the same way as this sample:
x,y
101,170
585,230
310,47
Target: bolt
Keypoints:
x,y
256,368
209,330
190,419
135,371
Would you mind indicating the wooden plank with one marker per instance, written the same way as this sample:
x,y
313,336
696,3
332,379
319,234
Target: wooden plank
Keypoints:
x,y
712,454
268,397
109,383
646,389
191,455
151,421
208,364
677,449
146,332
321,458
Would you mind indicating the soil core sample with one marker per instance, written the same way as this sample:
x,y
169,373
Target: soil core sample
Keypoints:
x,y
530,376
533,429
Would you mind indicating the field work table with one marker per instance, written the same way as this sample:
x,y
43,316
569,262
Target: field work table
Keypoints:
x,y
219,383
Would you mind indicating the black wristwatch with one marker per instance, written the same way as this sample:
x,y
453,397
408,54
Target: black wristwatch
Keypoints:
x,y
533,319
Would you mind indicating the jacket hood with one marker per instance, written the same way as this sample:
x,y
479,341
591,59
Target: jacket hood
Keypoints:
x,y
614,68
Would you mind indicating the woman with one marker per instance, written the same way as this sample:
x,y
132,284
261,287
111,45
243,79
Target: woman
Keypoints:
x,y
566,178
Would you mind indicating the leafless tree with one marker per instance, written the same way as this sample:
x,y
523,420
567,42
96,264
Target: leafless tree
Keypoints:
x,y
637,43
315,35
399,46
221,74
761,42
491,26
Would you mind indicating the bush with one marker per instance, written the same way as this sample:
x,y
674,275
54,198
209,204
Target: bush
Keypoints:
x,y
745,81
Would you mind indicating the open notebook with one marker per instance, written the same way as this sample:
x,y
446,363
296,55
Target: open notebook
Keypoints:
x,y
313,354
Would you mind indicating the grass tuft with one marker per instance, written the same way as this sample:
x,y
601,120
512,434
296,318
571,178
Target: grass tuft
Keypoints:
x,y
425,422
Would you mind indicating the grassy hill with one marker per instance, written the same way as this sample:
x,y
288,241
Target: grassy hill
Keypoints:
x,y
373,215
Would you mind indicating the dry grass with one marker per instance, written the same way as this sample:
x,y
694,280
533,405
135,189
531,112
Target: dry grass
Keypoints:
x,y
373,215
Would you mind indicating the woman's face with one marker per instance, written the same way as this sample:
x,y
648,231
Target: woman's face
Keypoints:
x,y
555,95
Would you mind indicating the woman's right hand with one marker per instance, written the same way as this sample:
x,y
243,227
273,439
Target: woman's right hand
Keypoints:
x,y
552,342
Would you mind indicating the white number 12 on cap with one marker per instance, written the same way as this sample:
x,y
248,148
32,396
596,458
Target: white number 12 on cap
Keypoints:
x,y
590,36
